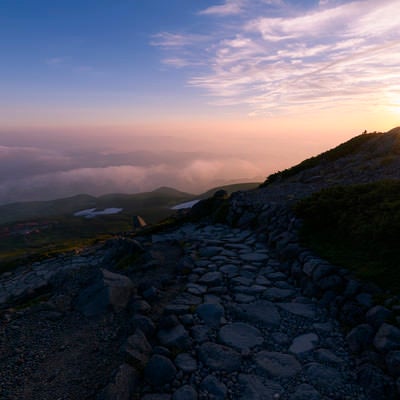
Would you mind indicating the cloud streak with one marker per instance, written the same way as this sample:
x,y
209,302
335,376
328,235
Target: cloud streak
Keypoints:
x,y
286,60
230,7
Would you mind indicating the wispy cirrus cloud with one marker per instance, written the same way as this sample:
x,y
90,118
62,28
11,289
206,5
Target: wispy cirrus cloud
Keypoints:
x,y
230,7
278,58
177,40
56,60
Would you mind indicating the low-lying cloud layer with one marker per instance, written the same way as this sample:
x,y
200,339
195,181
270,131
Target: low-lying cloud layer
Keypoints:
x,y
276,58
31,173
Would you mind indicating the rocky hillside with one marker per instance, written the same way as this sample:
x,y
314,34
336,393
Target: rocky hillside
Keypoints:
x,y
366,158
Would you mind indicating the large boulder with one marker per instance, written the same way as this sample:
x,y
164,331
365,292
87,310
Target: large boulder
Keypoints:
x,y
159,371
120,248
137,349
109,291
215,207
387,338
360,338
123,386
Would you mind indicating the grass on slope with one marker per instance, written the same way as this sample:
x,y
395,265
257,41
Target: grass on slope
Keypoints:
x,y
357,227
343,150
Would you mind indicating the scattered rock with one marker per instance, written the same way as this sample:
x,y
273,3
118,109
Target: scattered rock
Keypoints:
x,y
211,278
145,324
393,363
211,313
253,387
186,362
123,387
185,393
219,357
377,315
241,336
175,338
214,387
276,364
323,376
137,349
159,370
261,312
111,289
387,338
303,310
305,392
304,343
360,338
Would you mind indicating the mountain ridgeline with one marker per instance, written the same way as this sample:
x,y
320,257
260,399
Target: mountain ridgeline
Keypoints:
x,y
365,158
153,205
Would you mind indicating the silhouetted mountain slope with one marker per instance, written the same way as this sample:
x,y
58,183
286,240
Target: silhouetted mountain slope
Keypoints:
x,y
365,158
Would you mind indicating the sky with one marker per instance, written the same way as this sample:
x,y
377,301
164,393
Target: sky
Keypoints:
x,y
102,96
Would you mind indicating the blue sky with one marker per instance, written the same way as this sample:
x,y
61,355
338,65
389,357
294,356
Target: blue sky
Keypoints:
x,y
258,58
233,89
79,52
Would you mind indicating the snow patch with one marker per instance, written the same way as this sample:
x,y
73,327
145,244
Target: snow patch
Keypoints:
x,y
182,206
93,212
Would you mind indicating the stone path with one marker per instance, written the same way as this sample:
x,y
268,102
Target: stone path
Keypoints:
x,y
242,330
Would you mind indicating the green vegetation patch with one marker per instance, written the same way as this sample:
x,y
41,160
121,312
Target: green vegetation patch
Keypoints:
x,y
357,227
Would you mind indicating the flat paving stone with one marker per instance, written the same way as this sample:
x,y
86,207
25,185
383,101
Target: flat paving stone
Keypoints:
x,y
325,356
305,392
194,288
214,387
218,357
276,364
159,371
186,362
241,280
277,276
211,278
187,299
177,309
253,387
229,270
200,333
278,294
211,313
210,251
322,376
261,280
261,312
254,257
185,392
176,338
251,290
301,309
240,336
304,343
244,298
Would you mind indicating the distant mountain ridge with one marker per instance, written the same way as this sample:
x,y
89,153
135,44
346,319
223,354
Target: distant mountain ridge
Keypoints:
x,y
148,203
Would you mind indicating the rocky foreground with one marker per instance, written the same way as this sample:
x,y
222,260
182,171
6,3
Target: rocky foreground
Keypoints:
x,y
201,312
